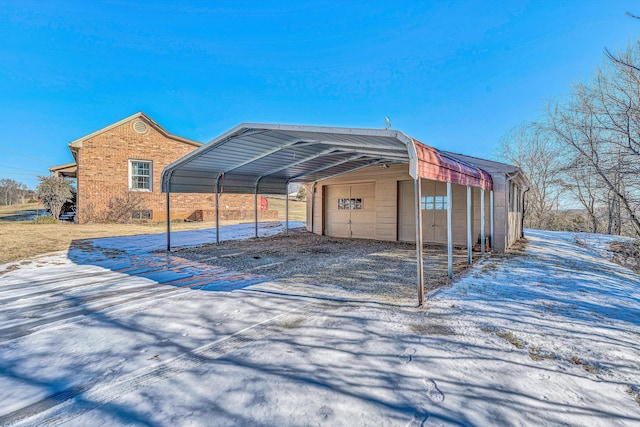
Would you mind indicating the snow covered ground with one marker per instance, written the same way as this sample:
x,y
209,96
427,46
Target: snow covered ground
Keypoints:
x,y
122,335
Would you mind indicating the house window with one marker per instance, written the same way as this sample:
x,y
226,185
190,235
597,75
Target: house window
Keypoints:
x,y
429,203
140,175
141,215
350,203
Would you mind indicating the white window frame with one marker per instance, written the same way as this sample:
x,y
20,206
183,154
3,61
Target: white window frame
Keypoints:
x,y
433,203
131,188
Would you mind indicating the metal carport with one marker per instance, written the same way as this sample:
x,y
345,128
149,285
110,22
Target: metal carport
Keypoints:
x,y
264,158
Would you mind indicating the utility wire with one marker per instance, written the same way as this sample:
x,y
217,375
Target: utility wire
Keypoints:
x,y
20,169
16,173
25,156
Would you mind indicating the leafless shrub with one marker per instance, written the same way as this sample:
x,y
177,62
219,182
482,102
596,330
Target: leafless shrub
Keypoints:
x,y
119,209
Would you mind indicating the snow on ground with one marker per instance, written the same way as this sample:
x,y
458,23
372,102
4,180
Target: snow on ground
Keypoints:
x,y
126,336
182,239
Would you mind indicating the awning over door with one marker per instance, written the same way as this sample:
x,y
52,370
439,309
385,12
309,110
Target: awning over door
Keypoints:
x,y
264,158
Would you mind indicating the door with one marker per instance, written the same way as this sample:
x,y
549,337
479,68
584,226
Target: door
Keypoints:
x,y
350,210
406,212
433,209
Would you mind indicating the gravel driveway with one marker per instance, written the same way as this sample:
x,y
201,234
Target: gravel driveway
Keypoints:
x,y
385,269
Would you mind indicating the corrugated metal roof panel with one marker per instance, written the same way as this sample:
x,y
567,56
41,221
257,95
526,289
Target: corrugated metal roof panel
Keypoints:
x,y
268,156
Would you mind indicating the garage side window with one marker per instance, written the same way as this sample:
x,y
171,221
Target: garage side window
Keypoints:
x,y
430,203
140,175
355,203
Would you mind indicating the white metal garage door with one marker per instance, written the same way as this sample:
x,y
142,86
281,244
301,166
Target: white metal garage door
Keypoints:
x,y
350,210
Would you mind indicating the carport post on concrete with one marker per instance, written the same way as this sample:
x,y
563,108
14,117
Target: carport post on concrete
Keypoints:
x,y
264,158
168,181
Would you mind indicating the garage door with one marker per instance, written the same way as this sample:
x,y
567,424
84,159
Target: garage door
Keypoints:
x,y
434,213
350,210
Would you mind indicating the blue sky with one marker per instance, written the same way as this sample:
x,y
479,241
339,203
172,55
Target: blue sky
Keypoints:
x,y
453,74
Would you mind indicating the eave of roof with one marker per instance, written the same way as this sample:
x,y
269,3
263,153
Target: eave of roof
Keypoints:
x,y
64,166
494,166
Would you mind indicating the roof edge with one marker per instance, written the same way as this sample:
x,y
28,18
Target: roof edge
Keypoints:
x,y
391,133
77,143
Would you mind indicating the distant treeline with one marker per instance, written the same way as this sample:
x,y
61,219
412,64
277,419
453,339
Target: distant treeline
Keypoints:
x,y
13,192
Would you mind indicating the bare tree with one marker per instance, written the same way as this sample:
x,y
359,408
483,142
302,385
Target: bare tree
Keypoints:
x,y
600,125
529,147
579,180
587,144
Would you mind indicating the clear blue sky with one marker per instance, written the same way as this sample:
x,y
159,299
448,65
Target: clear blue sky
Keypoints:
x,y
453,74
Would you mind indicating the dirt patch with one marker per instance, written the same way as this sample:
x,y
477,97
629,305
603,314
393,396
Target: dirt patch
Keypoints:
x,y
368,266
634,392
431,329
9,269
292,323
508,336
537,354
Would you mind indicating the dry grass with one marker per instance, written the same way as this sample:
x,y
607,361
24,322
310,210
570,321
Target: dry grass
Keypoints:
x,y
24,239
591,367
297,209
537,354
16,209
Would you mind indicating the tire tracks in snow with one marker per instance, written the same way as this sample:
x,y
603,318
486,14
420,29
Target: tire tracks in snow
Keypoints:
x,y
76,401
23,329
73,308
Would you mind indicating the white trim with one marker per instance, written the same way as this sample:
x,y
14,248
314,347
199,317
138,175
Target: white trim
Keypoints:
x,y
130,176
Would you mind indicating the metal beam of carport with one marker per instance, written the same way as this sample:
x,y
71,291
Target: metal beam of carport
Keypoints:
x,y
265,158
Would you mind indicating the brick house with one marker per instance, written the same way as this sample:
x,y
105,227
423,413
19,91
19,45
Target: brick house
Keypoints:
x,y
118,170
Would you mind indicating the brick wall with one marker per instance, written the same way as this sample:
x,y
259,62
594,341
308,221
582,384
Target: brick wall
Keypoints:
x,y
103,176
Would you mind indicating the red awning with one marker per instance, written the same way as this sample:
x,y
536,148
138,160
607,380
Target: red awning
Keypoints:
x,y
437,166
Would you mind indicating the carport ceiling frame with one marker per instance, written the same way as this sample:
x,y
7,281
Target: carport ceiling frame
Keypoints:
x,y
265,158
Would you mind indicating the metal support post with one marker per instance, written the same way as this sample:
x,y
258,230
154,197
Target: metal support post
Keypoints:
x,y
217,213
469,229
419,250
312,207
255,209
492,235
482,221
168,221
286,210
449,233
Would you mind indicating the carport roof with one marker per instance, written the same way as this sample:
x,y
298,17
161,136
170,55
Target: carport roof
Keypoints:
x,y
264,158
